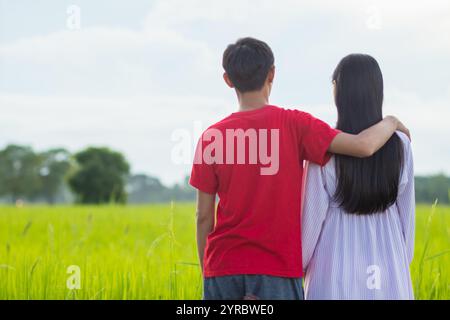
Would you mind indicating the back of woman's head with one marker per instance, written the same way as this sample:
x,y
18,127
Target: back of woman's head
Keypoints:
x,y
366,185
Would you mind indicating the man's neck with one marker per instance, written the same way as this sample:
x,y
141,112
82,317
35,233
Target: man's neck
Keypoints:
x,y
252,101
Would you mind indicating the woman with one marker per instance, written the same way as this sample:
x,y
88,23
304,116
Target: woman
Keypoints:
x,y
358,214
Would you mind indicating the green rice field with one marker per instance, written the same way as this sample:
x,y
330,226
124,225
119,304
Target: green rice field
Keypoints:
x,y
149,252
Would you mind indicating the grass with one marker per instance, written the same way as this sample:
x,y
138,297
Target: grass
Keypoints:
x,y
149,252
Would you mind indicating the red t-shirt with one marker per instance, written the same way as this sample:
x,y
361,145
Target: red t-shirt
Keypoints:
x,y
257,228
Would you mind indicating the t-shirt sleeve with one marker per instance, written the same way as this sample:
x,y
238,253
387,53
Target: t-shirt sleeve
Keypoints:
x,y
315,137
203,176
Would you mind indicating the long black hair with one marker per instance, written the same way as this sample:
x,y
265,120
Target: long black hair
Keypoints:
x,y
367,185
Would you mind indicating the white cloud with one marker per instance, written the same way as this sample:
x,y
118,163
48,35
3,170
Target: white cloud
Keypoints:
x,y
89,43
131,88
428,122
141,127
404,13
105,60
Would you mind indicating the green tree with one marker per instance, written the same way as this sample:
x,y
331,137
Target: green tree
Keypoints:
x,y
146,189
19,173
430,188
183,191
55,164
100,176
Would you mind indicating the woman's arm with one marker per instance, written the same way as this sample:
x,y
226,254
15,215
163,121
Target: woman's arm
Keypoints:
x,y
406,203
315,207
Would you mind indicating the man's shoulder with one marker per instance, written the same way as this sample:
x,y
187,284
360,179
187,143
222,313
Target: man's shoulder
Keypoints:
x,y
295,112
289,110
221,124
234,119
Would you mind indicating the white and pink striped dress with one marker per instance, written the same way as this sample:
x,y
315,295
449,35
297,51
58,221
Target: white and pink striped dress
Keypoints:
x,y
347,256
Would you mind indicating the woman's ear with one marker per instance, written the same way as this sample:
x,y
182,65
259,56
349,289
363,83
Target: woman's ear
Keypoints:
x,y
227,80
334,89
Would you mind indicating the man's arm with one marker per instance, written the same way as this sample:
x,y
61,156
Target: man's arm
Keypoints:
x,y
206,204
369,141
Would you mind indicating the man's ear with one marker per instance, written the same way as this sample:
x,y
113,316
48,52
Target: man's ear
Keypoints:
x,y
271,74
227,80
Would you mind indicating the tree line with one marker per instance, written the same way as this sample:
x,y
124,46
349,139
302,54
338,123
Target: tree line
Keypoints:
x,y
90,176
101,175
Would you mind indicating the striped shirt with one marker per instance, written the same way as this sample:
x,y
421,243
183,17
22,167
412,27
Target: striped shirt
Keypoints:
x,y
348,256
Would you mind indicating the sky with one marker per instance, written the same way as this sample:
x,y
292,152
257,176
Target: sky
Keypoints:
x,y
139,76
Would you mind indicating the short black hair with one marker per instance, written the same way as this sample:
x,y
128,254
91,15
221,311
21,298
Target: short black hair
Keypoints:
x,y
247,63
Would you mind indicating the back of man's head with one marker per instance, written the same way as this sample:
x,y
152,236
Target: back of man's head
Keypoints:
x,y
247,64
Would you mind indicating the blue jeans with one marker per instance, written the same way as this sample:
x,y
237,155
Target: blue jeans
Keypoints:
x,y
252,287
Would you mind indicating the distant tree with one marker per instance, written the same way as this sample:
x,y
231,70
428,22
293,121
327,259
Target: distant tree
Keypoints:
x,y
146,189
183,191
55,165
100,176
19,173
430,188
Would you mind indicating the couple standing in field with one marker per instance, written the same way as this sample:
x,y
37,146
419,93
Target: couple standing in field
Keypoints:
x,y
345,230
